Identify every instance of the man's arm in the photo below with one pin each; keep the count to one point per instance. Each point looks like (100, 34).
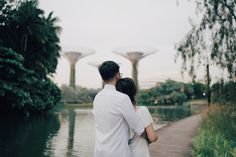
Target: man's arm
(152, 137)
(127, 110)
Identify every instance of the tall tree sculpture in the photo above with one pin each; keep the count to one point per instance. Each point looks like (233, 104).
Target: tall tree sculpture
(73, 57)
(134, 56)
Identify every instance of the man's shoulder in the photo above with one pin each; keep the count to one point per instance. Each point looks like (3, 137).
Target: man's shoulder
(112, 93)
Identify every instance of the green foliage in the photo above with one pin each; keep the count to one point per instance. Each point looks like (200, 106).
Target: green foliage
(213, 38)
(144, 97)
(199, 89)
(168, 93)
(224, 92)
(77, 95)
(29, 49)
(28, 32)
(14, 81)
(20, 90)
(44, 94)
(217, 137)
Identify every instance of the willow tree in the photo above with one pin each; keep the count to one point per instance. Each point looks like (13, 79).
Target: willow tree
(213, 39)
(218, 25)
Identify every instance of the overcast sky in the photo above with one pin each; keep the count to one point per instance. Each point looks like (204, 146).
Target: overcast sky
(105, 25)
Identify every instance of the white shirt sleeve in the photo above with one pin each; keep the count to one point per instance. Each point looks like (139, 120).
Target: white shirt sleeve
(145, 116)
(128, 112)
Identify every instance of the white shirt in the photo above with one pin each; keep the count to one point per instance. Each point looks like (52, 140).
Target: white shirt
(114, 114)
(139, 147)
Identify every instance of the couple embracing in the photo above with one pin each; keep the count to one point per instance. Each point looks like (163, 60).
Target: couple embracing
(122, 128)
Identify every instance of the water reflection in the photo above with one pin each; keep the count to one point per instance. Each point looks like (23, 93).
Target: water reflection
(75, 136)
(27, 138)
(170, 113)
(68, 133)
(71, 133)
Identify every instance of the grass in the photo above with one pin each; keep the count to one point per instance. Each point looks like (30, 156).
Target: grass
(217, 134)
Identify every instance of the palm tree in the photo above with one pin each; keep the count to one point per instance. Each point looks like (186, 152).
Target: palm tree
(27, 31)
(30, 33)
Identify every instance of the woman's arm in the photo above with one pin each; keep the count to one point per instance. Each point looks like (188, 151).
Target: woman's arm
(151, 133)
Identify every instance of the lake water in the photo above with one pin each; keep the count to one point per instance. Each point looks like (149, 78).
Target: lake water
(67, 133)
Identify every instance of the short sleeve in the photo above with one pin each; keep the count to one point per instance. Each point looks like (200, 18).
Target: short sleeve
(145, 116)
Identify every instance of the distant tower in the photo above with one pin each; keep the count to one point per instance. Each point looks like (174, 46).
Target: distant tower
(73, 57)
(134, 56)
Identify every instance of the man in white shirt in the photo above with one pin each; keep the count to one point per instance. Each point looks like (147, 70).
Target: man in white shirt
(113, 114)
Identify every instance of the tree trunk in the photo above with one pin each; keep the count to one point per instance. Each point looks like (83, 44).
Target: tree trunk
(135, 74)
(72, 75)
(208, 86)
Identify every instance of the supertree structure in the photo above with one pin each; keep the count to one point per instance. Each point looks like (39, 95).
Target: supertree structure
(73, 57)
(134, 56)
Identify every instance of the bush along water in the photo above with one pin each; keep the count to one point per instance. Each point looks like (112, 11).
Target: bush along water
(171, 93)
(20, 90)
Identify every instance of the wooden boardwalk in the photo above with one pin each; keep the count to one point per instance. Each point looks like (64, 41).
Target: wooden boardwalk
(175, 140)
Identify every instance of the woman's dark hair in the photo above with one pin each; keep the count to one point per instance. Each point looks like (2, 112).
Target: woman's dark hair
(108, 70)
(127, 86)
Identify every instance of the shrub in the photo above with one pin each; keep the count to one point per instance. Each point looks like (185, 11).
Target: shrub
(216, 137)
(20, 90)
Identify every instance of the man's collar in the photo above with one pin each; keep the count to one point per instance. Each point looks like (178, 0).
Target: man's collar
(109, 86)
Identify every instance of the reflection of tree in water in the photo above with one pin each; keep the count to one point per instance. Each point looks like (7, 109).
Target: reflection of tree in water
(27, 138)
(171, 114)
(72, 116)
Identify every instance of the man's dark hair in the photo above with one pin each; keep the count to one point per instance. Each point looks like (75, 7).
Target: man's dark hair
(127, 86)
(108, 70)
